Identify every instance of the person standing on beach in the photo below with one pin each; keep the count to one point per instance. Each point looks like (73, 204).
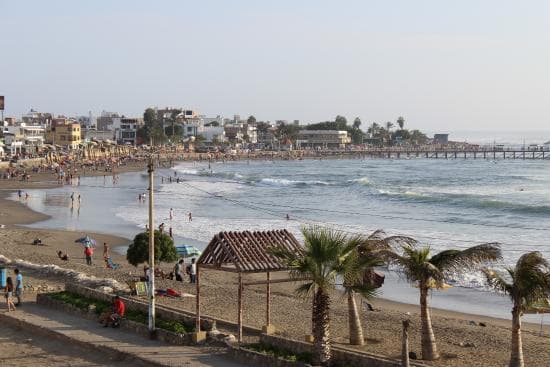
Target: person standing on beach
(171, 213)
(72, 199)
(20, 193)
(178, 271)
(8, 290)
(105, 250)
(190, 217)
(88, 252)
(18, 286)
(193, 271)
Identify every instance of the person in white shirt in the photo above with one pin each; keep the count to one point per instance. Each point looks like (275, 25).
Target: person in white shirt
(193, 271)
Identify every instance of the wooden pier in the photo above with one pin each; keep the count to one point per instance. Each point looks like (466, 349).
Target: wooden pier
(458, 154)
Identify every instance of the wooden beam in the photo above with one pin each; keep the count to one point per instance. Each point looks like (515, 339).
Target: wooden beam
(198, 303)
(240, 310)
(268, 296)
(262, 282)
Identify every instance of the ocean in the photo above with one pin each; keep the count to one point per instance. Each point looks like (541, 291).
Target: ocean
(442, 203)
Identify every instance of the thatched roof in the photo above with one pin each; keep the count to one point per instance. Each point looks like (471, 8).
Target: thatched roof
(246, 252)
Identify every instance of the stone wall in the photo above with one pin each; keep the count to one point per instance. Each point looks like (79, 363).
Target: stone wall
(250, 357)
(341, 356)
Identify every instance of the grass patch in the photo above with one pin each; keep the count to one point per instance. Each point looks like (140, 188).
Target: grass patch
(279, 352)
(83, 303)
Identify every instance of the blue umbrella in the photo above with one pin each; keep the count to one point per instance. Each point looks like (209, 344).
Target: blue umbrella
(188, 251)
(86, 240)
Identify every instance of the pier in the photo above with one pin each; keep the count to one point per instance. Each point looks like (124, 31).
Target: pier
(443, 153)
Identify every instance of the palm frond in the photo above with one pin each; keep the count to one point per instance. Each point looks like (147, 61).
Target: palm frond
(455, 260)
(497, 282)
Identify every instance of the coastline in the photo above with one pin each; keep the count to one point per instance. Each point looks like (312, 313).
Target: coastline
(381, 327)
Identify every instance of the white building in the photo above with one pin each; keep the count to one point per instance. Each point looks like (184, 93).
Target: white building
(125, 129)
(31, 135)
(323, 139)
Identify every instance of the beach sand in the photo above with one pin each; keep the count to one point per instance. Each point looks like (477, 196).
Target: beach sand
(290, 314)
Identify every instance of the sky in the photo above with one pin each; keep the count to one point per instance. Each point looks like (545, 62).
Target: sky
(443, 65)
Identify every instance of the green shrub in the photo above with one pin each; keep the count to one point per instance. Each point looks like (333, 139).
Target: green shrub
(140, 317)
(279, 353)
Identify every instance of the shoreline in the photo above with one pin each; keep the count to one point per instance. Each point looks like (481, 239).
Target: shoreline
(381, 327)
(25, 216)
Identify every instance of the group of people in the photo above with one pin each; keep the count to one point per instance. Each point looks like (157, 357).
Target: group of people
(10, 290)
(190, 270)
(89, 253)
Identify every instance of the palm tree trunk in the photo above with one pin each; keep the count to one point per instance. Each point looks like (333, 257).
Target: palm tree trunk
(516, 358)
(355, 328)
(321, 329)
(429, 348)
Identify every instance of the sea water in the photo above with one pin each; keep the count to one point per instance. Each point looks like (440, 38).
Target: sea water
(454, 203)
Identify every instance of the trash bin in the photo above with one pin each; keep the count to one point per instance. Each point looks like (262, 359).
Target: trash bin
(3, 276)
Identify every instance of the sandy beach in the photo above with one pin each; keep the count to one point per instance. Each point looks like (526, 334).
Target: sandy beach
(291, 315)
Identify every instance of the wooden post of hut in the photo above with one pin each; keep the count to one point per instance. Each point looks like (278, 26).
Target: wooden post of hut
(268, 328)
(240, 310)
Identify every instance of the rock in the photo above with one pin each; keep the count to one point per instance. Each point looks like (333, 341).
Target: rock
(482, 324)
(472, 323)
(467, 344)
(91, 308)
(213, 333)
(230, 339)
(412, 355)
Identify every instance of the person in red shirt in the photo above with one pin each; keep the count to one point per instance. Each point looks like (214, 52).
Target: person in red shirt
(115, 315)
(88, 252)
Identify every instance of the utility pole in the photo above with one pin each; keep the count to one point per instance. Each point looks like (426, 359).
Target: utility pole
(151, 274)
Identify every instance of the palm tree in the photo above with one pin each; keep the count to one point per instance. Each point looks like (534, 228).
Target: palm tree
(527, 284)
(373, 129)
(401, 122)
(322, 260)
(389, 125)
(362, 255)
(427, 272)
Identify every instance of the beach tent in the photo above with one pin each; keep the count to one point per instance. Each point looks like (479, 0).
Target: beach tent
(188, 251)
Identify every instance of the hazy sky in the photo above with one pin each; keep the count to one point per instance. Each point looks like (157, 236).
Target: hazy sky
(444, 65)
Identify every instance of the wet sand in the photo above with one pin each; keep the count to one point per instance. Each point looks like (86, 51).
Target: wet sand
(290, 314)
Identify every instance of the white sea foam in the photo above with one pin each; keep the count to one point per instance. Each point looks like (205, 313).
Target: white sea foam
(287, 182)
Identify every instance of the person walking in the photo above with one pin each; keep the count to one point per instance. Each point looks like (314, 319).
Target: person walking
(8, 290)
(193, 271)
(88, 252)
(18, 286)
(190, 217)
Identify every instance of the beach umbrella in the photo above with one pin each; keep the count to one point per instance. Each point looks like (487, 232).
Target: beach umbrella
(86, 240)
(188, 251)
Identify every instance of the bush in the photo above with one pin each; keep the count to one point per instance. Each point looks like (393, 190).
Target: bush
(83, 303)
(279, 353)
(138, 251)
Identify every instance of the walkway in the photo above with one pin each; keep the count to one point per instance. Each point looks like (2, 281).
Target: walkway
(122, 345)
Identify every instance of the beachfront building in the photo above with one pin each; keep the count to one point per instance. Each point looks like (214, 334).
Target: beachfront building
(323, 139)
(28, 136)
(64, 132)
(125, 129)
(105, 120)
(441, 139)
(37, 118)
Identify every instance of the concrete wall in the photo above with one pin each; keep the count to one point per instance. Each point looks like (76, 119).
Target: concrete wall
(341, 356)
